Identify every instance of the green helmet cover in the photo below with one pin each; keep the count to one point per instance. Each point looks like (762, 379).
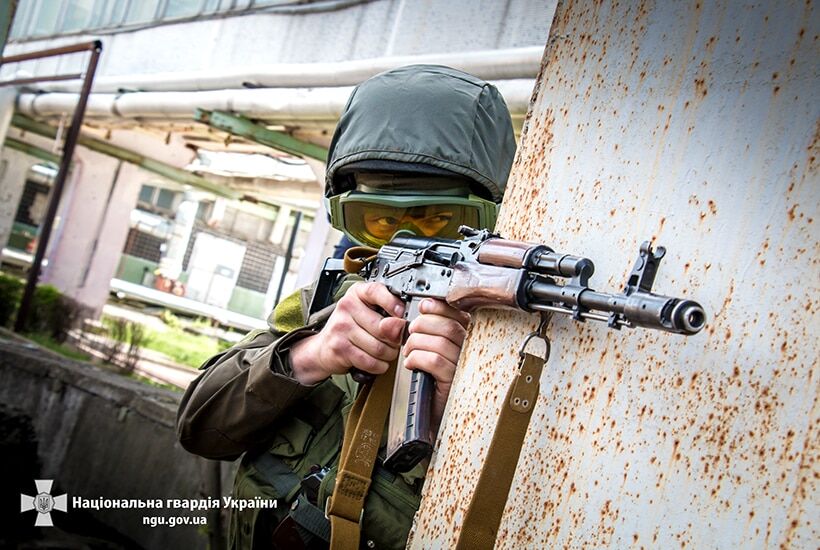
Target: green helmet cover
(424, 120)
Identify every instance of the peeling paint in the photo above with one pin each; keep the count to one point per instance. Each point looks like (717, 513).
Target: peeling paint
(696, 125)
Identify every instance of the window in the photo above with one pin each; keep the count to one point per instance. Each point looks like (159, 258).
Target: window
(147, 194)
(203, 211)
(143, 11)
(182, 8)
(107, 13)
(45, 17)
(257, 267)
(165, 199)
(77, 15)
(157, 199)
(274, 2)
(143, 245)
(37, 18)
(33, 203)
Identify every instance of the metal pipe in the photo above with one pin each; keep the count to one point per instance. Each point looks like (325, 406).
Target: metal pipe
(33, 79)
(62, 174)
(151, 165)
(512, 63)
(288, 255)
(32, 150)
(286, 104)
(51, 52)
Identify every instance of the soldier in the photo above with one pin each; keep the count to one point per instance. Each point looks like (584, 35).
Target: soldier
(422, 148)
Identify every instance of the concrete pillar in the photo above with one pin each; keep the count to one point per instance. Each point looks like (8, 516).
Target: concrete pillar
(14, 166)
(322, 237)
(696, 125)
(170, 265)
(318, 248)
(13, 169)
(7, 96)
(92, 227)
(111, 236)
(281, 225)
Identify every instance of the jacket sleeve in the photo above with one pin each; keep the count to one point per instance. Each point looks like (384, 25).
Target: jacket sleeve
(232, 406)
(241, 392)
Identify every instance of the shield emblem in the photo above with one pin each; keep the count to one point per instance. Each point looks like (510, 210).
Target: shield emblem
(43, 503)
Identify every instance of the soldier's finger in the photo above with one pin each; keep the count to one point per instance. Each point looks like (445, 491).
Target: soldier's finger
(391, 329)
(366, 362)
(376, 295)
(440, 307)
(439, 367)
(438, 345)
(370, 320)
(372, 346)
(434, 324)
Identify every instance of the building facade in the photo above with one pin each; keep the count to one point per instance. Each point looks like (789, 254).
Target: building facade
(195, 85)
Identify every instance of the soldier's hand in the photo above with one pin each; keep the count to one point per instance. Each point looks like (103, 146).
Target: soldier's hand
(434, 344)
(355, 335)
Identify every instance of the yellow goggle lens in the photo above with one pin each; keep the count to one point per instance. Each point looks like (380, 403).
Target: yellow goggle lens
(375, 224)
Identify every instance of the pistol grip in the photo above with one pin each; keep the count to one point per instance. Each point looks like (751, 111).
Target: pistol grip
(365, 377)
(360, 376)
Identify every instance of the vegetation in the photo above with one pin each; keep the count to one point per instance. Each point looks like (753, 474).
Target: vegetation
(65, 350)
(176, 343)
(50, 313)
(11, 290)
(184, 347)
(53, 315)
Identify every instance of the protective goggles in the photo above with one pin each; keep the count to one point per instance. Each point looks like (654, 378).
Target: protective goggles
(371, 219)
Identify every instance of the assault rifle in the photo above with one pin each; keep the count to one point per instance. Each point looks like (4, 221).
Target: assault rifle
(485, 271)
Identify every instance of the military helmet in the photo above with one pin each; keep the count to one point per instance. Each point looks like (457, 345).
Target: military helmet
(415, 137)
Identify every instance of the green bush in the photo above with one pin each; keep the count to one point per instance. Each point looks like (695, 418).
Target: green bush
(50, 313)
(11, 290)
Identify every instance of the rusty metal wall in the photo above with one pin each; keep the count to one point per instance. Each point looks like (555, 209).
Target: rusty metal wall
(695, 124)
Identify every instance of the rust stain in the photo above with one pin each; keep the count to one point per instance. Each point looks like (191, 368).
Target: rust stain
(700, 88)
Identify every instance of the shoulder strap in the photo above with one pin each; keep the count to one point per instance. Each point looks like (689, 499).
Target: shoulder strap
(483, 515)
(363, 433)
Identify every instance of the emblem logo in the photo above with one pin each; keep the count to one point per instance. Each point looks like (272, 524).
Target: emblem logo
(44, 503)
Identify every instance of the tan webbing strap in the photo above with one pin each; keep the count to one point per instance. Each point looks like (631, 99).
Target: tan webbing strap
(356, 256)
(363, 433)
(483, 515)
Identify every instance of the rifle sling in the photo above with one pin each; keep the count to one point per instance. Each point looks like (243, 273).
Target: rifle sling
(363, 434)
(356, 257)
(484, 512)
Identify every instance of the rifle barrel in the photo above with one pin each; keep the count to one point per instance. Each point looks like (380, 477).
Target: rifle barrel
(637, 309)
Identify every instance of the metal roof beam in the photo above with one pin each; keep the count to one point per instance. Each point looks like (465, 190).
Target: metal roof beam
(146, 163)
(31, 150)
(241, 126)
